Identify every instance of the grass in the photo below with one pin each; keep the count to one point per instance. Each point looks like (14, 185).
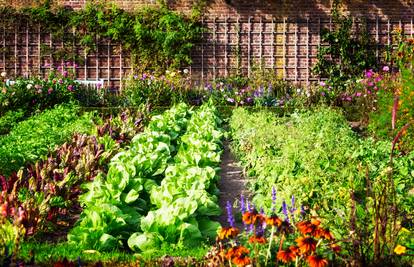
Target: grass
(45, 254)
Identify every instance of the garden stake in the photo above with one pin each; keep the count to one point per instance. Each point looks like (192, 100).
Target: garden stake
(270, 244)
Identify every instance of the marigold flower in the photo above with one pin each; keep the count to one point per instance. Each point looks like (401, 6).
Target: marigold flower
(228, 232)
(400, 250)
(288, 254)
(317, 261)
(260, 239)
(306, 244)
(273, 220)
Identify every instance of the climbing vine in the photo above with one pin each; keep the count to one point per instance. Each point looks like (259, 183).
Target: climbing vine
(156, 38)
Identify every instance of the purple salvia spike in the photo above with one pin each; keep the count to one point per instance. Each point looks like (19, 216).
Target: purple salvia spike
(230, 218)
(285, 210)
(242, 204)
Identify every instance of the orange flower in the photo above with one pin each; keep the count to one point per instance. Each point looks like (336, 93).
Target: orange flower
(252, 217)
(410, 41)
(257, 239)
(325, 233)
(248, 217)
(273, 221)
(306, 244)
(228, 232)
(400, 54)
(242, 260)
(317, 261)
(310, 227)
(288, 254)
(236, 251)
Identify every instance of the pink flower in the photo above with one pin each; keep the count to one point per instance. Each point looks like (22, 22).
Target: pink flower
(358, 94)
(50, 90)
(369, 73)
(322, 83)
(65, 74)
(70, 87)
(386, 68)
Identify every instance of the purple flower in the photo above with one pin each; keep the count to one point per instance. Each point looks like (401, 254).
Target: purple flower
(242, 204)
(285, 210)
(231, 100)
(144, 76)
(273, 199)
(370, 84)
(386, 68)
(65, 74)
(292, 202)
(230, 218)
(60, 81)
(322, 83)
(70, 87)
(323, 93)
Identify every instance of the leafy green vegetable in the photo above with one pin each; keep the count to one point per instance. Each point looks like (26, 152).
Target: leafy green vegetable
(114, 204)
(35, 137)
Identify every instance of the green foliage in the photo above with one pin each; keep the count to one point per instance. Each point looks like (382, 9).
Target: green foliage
(346, 54)
(315, 157)
(35, 137)
(114, 204)
(187, 196)
(9, 240)
(157, 38)
(10, 119)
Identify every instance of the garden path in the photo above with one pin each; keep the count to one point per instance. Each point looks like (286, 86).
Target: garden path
(232, 183)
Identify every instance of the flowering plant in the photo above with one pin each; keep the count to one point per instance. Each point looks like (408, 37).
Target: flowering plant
(38, 93)
(271, 239)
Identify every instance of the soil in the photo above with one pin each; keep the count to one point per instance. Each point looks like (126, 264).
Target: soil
(232, 183)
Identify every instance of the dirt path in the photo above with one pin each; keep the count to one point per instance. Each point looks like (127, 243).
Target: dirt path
(232, 183)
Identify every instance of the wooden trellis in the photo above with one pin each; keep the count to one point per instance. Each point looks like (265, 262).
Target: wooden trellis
(288, 47)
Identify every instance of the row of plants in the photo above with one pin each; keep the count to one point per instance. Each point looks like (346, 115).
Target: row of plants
(187, 196)
(35, 137)
(41, 200)
(348, 182)
(115, 202)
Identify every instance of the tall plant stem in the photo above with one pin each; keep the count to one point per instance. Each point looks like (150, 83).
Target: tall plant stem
(270, 244)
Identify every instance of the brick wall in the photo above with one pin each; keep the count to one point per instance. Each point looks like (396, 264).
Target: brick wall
(279, 35)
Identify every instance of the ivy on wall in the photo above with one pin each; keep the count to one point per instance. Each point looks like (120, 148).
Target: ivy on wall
(156, 38)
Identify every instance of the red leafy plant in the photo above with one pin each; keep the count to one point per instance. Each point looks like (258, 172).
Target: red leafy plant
(46, 193)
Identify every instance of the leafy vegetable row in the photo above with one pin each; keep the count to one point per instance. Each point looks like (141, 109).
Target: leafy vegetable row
(316, 157)
(114, 204)
(187, 195)
(35, 137)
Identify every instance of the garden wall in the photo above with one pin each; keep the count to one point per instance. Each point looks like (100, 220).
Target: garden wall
(242, 36)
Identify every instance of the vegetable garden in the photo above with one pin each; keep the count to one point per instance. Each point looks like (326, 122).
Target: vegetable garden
(91, 177)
